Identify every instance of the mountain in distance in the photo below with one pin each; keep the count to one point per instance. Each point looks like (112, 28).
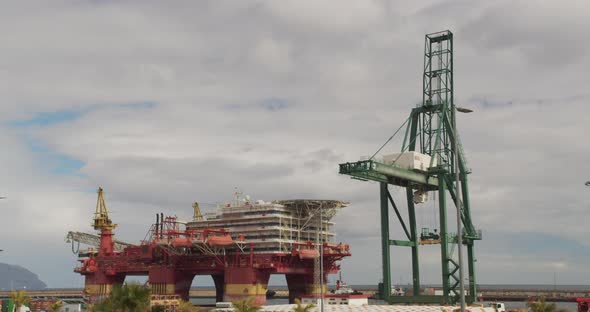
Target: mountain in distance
(17, 277)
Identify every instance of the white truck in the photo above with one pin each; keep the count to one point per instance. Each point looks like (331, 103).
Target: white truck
(492, 307)
(22, 309)
(497, 306)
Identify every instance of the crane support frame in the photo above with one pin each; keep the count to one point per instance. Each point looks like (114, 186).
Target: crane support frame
(430, 131)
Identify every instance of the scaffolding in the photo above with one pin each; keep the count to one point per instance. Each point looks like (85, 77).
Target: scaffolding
(279, 226)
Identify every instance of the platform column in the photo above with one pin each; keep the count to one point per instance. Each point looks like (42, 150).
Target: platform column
(301, 285)
(164, 281)
(242, 283)
(219, 287)
(99, 285)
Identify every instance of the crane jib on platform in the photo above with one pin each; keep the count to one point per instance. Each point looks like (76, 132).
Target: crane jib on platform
(430, 158)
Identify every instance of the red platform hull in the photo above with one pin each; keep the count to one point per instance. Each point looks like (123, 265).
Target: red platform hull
(171, 263)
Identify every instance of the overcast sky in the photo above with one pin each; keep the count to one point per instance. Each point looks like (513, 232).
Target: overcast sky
(166, 103)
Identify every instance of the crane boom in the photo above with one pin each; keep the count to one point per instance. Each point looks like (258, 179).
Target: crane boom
(93, 240)
(198, 216)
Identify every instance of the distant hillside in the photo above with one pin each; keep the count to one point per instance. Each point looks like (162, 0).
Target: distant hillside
(18, 277)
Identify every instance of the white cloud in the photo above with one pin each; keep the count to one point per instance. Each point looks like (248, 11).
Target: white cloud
(273, 56)
(342, 76)
(330, 16)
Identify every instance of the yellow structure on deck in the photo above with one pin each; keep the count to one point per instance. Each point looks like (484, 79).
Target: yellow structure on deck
(101, 216)
(198, 216)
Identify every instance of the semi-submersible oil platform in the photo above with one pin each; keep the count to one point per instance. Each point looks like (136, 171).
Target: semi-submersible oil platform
(239, 246)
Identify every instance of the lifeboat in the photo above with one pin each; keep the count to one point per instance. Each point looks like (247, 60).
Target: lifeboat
(220, 240)
(181, 242)
(308, 254)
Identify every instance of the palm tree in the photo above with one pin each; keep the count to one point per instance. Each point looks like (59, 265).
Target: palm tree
(103, 306)
(302, 308)
(245, 305)
(20, 298)
(185, 306)
(134, 297)
(56, 306)
(127, 297)
(542, 306)
(158, 308)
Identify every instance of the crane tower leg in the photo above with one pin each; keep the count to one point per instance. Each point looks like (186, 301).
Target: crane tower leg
(385, 245)
(444, 241)
(415, 240)
(471, 269)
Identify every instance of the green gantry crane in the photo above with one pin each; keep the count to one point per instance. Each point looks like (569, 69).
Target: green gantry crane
(429, 131)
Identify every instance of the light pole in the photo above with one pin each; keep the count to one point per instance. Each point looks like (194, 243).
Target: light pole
(458, 204)
(322, 260)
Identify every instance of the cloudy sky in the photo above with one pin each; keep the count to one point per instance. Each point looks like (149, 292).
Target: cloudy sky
(166, 103)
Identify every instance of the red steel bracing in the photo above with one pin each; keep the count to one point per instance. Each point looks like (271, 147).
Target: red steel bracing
(583, 304)
(171, 257)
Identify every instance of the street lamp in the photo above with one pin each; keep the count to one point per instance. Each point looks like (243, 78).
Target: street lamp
(322, 260)
(2, 197)
(458, 204)
(463, 110)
